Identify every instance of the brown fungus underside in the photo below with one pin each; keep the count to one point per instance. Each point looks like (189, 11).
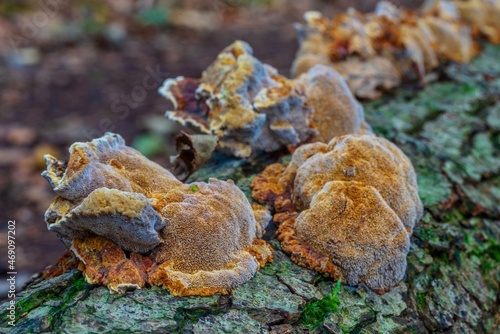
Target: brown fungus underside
(131, 223)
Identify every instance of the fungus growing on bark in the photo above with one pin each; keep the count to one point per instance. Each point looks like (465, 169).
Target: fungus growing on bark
(102, 191)
(104, 263)
(482, 16)
(376, 51)
(346, 209)
(221, 259)
(250, 107)
(373, 161)
(132, 223)
(354, 226)
(246, 103)
(336, 111)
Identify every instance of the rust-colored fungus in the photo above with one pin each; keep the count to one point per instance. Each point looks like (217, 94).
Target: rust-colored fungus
(336, 111)
(221, 259)
(65, 262)
(132, 223)
(376, 51)
(251, 107)
(482, 16)
(104, 263)
(246, 103)
(346, 208)
(373, 161)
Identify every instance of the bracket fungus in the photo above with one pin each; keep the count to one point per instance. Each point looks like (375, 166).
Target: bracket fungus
(246, 103)
(131, 223)
(346, 208)
(250, 107)
(377, 51)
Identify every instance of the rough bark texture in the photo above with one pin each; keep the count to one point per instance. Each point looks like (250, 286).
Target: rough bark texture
(451, 132)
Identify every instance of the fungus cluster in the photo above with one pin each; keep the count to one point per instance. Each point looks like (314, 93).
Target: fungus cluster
(132, 223)
(345, 205)
(376, 51)
(346, 208)
(251, 108)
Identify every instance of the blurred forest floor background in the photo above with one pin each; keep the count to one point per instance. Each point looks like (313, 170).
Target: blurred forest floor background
(71, 70)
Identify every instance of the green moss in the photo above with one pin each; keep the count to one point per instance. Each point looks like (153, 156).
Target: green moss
(437, 236)
(421, 300)
(314, 313)
(76, 291)
(482, 246)
(425, 234)
(194, 188)
(443, 259)
(452, 216)
(183, 316)
(57, 292)
(489, 255)
(318, 278)
(23, 306)
(494, 253)
(488, 264)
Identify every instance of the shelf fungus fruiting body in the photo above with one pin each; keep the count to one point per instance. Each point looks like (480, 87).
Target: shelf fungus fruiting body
(250, 107)
(212, 246)
(346, 208)
(246, 103)
(376, 51)
(131, 223)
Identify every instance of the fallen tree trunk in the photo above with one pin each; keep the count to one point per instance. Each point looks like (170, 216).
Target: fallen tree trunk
(451, 132)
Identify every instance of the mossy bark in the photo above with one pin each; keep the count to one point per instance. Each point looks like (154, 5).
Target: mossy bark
(451, 131)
